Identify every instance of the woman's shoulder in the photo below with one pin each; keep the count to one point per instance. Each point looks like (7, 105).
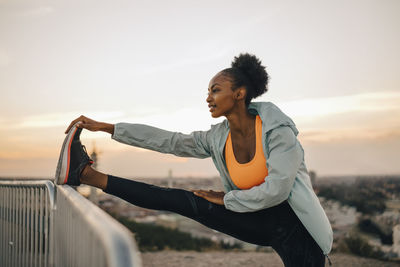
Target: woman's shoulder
(220, 127)
(272, 116)
(264, 107)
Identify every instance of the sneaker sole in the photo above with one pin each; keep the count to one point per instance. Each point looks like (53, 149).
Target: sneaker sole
(64, 159)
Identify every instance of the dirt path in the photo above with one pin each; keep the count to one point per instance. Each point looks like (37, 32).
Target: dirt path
(244, 259)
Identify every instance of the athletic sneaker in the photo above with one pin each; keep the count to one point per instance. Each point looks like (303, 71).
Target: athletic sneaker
(73, 159)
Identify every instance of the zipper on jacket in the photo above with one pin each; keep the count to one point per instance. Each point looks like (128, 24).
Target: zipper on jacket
(329, 260)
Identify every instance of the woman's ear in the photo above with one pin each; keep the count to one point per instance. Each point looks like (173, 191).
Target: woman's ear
(241, 93)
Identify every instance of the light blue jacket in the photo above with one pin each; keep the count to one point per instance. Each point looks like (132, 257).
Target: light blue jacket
(287, 173)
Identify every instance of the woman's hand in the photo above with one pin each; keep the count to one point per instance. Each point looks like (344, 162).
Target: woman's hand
(210, 195)
(92, 125)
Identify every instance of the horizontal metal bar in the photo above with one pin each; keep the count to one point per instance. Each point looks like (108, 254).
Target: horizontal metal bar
(115, 240)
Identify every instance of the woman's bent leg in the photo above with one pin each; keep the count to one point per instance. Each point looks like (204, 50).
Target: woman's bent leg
(297, 248)
(254, 227)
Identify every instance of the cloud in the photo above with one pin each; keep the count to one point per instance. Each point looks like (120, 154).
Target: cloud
(367, 116)
(318, 107)
(183, 63)
(38, 11)
(349, 135)
(55, 119)
(4, 58)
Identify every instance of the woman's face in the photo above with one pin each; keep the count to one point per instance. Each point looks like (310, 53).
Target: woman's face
(221, 99)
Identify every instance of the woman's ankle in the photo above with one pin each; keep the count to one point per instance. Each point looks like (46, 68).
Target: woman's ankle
(85, 174)
(92, 177)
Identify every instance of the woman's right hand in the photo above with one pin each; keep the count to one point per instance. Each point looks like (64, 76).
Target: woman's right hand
(91, 125)
(210, 195)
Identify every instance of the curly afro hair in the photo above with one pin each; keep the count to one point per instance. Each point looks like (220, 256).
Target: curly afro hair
(246, 70)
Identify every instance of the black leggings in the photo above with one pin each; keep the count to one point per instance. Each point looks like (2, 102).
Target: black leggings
(278, 226)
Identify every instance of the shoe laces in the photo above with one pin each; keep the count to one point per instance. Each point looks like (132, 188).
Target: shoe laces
(87, 155)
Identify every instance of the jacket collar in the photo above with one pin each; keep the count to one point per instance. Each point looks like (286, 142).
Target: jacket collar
(272, 117)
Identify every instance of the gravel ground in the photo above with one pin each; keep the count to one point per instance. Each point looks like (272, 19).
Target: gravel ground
(244, 259)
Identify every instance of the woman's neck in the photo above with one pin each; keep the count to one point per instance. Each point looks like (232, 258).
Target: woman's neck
(241, 122)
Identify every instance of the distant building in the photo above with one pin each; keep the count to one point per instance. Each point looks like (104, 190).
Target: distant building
(396, 239)
(393, 204)
(170, 180)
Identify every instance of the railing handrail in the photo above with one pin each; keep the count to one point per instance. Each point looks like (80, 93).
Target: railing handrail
(115, 238)
(122, 250)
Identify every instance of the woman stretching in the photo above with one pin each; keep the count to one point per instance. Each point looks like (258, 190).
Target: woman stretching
(268, 198)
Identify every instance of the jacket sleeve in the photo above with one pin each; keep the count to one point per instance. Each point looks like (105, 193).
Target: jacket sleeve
(285, 157)
(144, 136)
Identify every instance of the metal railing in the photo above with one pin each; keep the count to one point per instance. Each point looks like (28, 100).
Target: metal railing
(46, 225)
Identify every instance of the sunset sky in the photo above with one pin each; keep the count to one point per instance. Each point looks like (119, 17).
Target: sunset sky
(334, 68)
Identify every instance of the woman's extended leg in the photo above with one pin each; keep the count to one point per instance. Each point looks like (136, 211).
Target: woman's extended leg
(251, 227)
(255, 227)
(277, 226)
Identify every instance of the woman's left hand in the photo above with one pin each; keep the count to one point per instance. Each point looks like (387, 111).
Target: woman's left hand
(210, 195)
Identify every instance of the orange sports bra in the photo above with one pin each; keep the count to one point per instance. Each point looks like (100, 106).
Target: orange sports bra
(252, 173)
